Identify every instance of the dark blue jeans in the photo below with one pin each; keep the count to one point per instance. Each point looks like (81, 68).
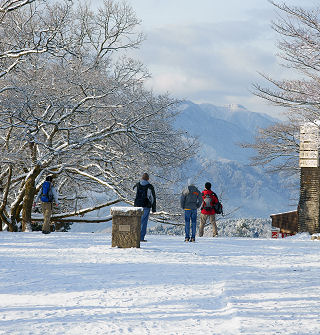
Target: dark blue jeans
(144, 222)
(190, 215)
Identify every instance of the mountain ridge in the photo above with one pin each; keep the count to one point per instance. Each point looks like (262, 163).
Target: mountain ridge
(223, 162)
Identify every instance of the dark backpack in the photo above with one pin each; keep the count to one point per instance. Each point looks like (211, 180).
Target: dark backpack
(46, 194)
(141, 199)
(218, 208)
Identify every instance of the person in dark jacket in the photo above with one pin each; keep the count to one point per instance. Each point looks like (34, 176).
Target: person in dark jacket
(207, 211)
(190, 200)
(146, 198)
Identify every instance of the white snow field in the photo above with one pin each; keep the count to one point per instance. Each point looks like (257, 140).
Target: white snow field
(76, 283)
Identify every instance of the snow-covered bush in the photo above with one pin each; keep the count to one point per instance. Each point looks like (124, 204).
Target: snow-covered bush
(242, 227)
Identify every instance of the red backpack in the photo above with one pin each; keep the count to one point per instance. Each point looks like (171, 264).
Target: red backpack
(207, 203)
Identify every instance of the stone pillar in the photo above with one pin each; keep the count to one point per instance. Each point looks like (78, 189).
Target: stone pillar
(126, 226)
(309, 202)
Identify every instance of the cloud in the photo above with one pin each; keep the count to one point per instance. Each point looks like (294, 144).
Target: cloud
(213, 62)
(179, 82)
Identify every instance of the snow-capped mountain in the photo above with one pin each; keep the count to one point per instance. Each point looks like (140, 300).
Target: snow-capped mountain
(223, 162)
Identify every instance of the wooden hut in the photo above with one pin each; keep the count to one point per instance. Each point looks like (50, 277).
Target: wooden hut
(287, 223)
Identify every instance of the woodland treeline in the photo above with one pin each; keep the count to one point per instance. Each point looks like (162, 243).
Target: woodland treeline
(73, 104)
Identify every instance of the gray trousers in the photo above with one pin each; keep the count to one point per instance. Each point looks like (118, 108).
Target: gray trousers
(203, 220)
(47, 211)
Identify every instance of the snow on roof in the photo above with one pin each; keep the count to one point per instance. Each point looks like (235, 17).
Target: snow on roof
(283, 213)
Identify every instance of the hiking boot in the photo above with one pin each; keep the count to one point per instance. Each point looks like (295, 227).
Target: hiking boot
(187, 239)
(143, 240)
(192, 239)
(45, 232)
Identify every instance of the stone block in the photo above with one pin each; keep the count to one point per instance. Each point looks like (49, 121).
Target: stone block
(126, 226)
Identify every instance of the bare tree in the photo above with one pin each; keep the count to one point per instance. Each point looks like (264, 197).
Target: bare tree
(23, 32)
(277, 147)
(79, 112)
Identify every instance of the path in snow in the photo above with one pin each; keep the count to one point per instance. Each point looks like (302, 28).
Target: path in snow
(72, 283)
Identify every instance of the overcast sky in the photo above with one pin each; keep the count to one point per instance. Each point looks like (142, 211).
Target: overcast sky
(208, 50)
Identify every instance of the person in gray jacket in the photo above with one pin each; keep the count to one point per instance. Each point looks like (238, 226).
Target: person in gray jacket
(190, 201)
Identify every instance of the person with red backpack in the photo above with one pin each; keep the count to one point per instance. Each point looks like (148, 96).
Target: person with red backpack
(209, 199)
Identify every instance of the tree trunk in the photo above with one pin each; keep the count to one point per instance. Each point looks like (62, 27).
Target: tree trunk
(13, 225)
(3, 216)
(30, 191)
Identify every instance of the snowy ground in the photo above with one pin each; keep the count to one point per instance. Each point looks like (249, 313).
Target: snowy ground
(75, 283)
